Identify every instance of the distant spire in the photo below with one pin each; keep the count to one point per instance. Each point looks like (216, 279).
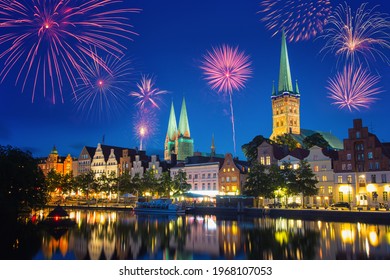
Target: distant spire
(285, 83)
(273, 88)
(212, 146)
(296, 87)
(184, 127)
(172, 125)
(54, 150)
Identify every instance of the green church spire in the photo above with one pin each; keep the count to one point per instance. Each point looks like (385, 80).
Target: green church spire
(184, 127)
(273, 88)
(172, 125)
(212, 146)
(285, 83)
(296, 87)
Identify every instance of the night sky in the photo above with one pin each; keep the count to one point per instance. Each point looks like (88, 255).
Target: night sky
(173, 36)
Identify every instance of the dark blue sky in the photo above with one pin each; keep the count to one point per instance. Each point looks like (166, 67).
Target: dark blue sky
(173, 36)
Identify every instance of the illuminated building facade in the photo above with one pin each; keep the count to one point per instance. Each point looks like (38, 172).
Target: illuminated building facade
(62, 165)
(232, 175)
(362, 170)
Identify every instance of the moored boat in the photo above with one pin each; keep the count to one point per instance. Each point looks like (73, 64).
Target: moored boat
(159, 206)
(58, 217)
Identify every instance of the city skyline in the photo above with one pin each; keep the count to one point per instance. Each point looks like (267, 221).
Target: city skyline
(172, 39)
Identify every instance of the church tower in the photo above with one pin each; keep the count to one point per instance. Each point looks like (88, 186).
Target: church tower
(171, 138)
(185, 144)
(285, 101)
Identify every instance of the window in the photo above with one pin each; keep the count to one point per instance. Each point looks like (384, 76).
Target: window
(208, 176)
(349, 157)
(203, 176)
(324, 178)
(373, 178)
(369, 155)
(323, 167)
(214, 186)
(215, 175)
(268, 160)
(330, 190)
(208, 186)
(349, 166)
(196, 187)
(227, 179)
(343, 166)
(322, 190)
(377, 166)
(349, 179)
(203, 186)
(385, 196)
(223, 179)
(384, 179)
(315, 157)
(234, 179)
(316, 168)
(357, 134)
(341, 196)
(339, 179)
(190, 176)
(262, 160)
(196, 176)
(233, 169)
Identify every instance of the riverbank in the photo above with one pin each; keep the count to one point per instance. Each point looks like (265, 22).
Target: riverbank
(372, 216)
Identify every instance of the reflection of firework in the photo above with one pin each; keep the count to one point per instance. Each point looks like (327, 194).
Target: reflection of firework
(226, 69)
(354, 88)
(49, 41)
(144, 126)
(147, 93)
(349, 34)
(106, 90)
(301, 20)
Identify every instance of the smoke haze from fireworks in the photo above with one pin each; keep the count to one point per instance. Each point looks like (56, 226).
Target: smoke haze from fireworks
(226, 69)
(105, 93)
(147, 94)
(363, 33)
(49, 42)
(301, 20)
(354, 88)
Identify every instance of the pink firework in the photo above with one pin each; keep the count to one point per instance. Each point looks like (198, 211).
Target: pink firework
(148, 94)
(106, 90)
(363, 33)
(144, 126)
(354, 88)
(48, 42)
(226, 69)
(300, 19)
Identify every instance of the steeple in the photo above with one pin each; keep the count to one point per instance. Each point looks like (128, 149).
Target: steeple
(296, 87)
(54, 150)
(172, 125)
(212, 147)
(285, 83)
(184, 127)
(273, 89)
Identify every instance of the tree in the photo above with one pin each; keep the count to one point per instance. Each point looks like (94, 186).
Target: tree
(53, 181)
(107, 182)
(87, 183)
(305, 182)
(180, 184)
(315, 139)
(124, 183)
(67, 183)
(287, 140)
(149, 181)
(136, 184)
(22, 182)
(166, 184)
(250, 149)
(259, 182)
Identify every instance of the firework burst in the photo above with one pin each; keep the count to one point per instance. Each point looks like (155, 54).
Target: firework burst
(49, 41)
(354, 88)
(144, 126)
(105, 92)
(364, 33)
(226, 69)
(300, 19)
(147, 94)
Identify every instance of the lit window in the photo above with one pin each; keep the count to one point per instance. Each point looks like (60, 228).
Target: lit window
(330, 190)
(268, 160)
(349, 179)
(262, 160)
(339, 179)
(316, 168)
(324, 178)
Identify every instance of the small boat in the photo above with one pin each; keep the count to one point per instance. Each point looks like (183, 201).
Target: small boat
(159, 206)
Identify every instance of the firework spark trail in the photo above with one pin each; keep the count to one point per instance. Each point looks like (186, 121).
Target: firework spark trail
(226, 69)
(145, 125)
(54, 39)
(147, 93)
(106, 90)
(363, 33)
(354, 88)
(301, 20)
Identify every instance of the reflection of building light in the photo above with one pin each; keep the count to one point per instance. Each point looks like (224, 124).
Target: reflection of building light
(347, 236)
(281, 237)
(211, 225)
(367, 248)
(234, 228)
(388, 238)
(373, 238)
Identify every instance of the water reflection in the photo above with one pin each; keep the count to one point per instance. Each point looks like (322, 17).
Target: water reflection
(123, 235)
